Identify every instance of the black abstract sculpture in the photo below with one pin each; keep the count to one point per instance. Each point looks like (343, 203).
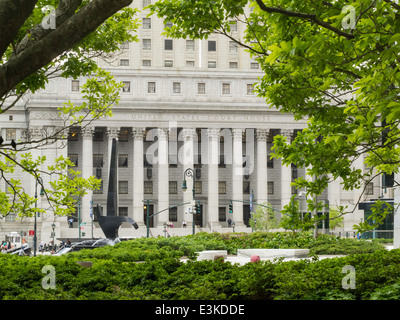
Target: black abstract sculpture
(111, 222)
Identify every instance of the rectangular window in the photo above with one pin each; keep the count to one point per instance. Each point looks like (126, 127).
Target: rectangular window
(254, 65)
(73, 134)
(122, 160)
(124, 62)
(73, 157)
(148, 187)
(270, 162)
(173, 214)
(146, 63)
(226, 88)
(212, 45)
(146, 3)
(127, 86)
(246, 187)
(173, 187)
(222, 214)
(168, 24)
(176, 87)
(168, 44)
(123, 211)
(233, 46)
(212, 64)
(100, 189)
(233, 65)
(151, 87)
(369, 190)
(11, 134)
(198, 187)
(168, 63)
(222, 187)
(75, 85)
(146, 23)
(250, 89)
(190, 64)
(98, 161)
(123, 135)
(233, 25)
(146, 44)
(270, 187)
(189, 45)
(124, 46)
(98, 134)
(201, 88)
(123, 187)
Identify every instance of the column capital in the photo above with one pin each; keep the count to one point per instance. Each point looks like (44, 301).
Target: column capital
(188, 134)
(138, 133)
(87, 132)
(287, 133)
(213, 134)
(237, 134)
(163, 133)
(113, 132)
(262, 134)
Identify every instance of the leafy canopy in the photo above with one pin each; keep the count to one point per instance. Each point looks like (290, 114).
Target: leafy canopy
(50, 39)
(333, 63)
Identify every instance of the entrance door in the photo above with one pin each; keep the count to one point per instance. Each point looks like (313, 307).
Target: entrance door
(151, 211)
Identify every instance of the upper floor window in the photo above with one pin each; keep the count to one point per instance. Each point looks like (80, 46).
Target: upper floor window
(168, 44)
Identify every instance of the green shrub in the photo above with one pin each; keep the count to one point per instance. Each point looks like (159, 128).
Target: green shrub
(151, 269)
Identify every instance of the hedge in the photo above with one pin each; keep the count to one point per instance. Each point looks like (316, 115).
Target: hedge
(152, 269)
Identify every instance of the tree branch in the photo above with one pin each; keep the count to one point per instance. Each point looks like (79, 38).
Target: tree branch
(71, 32)
(13, 14)
(306, 16)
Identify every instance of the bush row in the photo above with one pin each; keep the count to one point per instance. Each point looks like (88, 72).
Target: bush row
(116, 273)
(376, 277)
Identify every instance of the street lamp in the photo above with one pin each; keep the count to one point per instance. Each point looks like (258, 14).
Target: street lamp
(38, 180)
(189, 172)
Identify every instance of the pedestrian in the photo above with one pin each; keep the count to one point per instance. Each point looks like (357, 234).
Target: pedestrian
(183, 224)
(229, 222)
(70, 222)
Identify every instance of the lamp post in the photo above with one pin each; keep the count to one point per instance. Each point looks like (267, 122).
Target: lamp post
(189, 172)
(38, 180)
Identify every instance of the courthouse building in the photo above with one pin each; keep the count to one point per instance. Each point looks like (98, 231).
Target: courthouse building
(185, 104)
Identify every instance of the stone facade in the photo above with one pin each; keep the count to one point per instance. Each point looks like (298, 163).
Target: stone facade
(185, 106)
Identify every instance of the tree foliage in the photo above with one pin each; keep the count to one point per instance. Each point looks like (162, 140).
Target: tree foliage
(45, 39)
(333, 63)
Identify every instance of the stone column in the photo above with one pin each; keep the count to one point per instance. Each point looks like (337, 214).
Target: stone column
(286, 174)
(213, 160)
(163, 176)
(138, 175)
(87, 170)
(187, 159)
(262, 157)
(237, 176)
